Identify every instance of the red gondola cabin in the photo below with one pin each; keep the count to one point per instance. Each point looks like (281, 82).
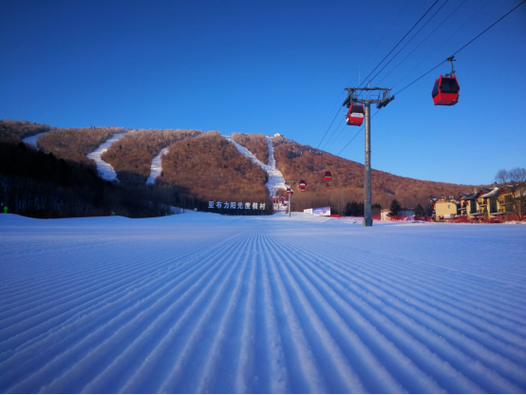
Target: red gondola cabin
(327, 176)
(445, 91)
(355, 114)
(302, 184)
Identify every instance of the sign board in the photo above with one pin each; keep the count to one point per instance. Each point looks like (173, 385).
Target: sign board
(322, 211)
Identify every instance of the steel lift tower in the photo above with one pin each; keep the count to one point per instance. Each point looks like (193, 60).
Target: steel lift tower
(368, 96)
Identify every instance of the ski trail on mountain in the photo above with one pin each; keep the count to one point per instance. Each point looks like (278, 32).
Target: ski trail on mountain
(32, 140)
(106, 170)
(157, 167)
(275, 178)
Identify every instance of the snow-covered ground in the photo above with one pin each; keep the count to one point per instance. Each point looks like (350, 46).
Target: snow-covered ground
(156, 168)
(207, 303)
(105, 170)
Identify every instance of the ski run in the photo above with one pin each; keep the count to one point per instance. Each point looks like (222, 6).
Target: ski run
(106, 171)
(200, 302)
(275, 178)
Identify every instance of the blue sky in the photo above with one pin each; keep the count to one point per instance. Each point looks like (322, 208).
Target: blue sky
(278, 67)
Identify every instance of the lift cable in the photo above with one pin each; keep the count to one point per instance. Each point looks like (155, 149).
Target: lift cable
(424, 40)
(357, 133)
(457, 51)
(504, 16)
(402, 39)
(327, 131)
(408, 41)
(451, 35)
(335, 130)
(365, 61)
(438, 65)
(385, 34)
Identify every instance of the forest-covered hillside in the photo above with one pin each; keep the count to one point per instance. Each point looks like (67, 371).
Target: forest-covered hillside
(58, 178)
(296, 161)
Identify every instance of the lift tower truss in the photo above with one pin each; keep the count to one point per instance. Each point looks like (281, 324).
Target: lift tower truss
(368, 96)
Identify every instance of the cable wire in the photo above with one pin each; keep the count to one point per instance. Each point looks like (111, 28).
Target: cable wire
(424, 40)
(365, 61)
(436, 48)
(435, 67)
(339, 109)
(463, 47)
(335, 130)
(402, 39)
(407, 43)
(357, 133)
(504, 16)
(385, 34)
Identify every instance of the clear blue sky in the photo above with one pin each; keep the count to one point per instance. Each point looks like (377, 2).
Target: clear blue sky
(277, 67)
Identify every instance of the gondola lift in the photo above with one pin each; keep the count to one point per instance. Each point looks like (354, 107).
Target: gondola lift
(355, 114)
(302, 184)
(446, 88)
(327, 175)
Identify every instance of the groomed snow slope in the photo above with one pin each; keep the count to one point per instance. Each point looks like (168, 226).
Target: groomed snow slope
(275, 178)
(106, 170)
(207, 303)
(156, 168)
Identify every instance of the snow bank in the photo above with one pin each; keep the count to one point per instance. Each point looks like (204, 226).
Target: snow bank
(199, 303)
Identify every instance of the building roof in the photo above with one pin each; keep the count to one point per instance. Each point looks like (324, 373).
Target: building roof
(474, 195)
(494, 192)
(468, 196)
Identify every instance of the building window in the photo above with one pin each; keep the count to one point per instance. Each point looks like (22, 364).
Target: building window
(472, 207)
(492, 205)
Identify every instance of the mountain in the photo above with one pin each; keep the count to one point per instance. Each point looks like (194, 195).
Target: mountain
(297, 161)
(198, 167)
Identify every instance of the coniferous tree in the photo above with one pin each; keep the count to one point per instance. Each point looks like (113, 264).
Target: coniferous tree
(394, 208)
(419, 211)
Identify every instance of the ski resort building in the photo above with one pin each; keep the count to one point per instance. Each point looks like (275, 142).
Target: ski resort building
(497, 204)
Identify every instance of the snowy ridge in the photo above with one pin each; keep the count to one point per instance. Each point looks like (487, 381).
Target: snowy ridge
(157, 167)
(106, 170)
(276, 180)
(207, 303)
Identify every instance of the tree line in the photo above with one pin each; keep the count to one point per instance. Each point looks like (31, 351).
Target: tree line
(38, 184)
(12, 131)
